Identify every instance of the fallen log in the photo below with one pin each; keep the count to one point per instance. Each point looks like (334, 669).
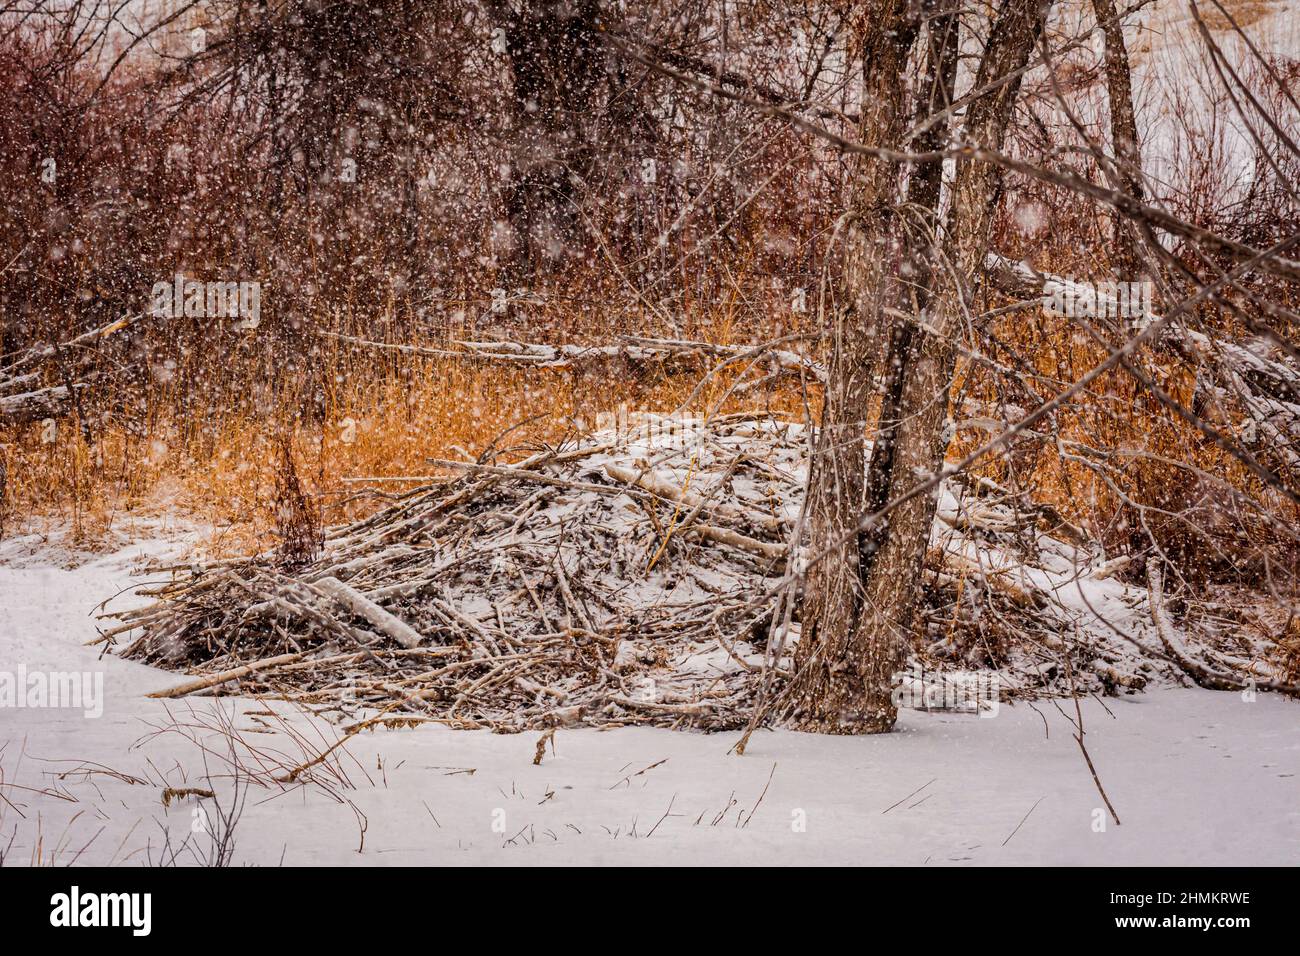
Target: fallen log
(40, 353)
(390, 625)
(632, 350)
(1267, 389)
(662, 487)
(763, 549)
(225, 677)
(27, 407)
(1177, 650)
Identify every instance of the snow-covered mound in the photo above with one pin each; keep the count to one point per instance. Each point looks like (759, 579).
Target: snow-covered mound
(629, 577)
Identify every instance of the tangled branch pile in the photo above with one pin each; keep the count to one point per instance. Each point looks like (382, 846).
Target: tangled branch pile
(629, 577)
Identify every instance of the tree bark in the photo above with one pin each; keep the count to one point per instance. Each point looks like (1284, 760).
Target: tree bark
(1123, 132)
(923, 194)
(843, 677)
(862, 595)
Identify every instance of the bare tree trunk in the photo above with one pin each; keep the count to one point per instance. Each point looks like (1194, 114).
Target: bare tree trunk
(893, 587)
(861, 598)
(842, 684)
(1123, 131)
(556, 61)
(923, 194)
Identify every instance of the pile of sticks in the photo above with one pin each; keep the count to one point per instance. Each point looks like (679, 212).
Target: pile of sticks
(609, 582)
(629, 578)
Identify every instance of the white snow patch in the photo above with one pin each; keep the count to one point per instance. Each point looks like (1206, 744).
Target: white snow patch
(1197, 777)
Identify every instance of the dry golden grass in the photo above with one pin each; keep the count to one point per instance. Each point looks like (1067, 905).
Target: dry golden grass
(220, 471)
(382, 415)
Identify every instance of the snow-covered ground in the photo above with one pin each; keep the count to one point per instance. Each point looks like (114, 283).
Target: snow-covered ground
(1197, 777)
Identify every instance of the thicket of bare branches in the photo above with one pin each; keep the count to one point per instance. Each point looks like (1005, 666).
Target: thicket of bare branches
(895, 187)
